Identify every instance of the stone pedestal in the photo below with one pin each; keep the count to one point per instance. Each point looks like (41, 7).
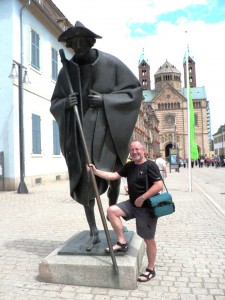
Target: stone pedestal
(71, 264)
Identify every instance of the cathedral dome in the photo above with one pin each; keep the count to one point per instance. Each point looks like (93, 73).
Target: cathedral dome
(167, 67)
(167, 74)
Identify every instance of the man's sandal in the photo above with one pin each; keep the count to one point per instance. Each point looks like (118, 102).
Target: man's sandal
(123, 248)
(151, 274)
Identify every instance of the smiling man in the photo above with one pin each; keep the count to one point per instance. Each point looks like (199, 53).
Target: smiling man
(139, 173)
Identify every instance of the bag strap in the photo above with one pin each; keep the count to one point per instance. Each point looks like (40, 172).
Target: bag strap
(163, 182)
(147, 179)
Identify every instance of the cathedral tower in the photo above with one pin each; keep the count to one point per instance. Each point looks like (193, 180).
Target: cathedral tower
(192, 72)
(144, 72)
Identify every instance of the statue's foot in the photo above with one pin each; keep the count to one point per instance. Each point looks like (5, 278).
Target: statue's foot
(94, 239)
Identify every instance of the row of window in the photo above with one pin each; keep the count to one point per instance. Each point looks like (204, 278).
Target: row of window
(169, 105)
(36, 136)
(176, 105)
(35, 54)
(167, 78)
(220, 139)
(144, 72)
(197, 104)
(144, 82)
(219, 151)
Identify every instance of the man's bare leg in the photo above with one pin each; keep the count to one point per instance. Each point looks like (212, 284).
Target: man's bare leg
(151, 255)
(113, 194)
(114, 213)
(90, 215)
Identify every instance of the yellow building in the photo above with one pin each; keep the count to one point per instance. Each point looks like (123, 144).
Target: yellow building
(169, 102)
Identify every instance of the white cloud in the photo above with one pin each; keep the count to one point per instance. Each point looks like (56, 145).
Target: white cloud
(110, 19)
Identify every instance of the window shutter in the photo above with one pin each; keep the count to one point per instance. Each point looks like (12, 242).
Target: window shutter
(36, 134)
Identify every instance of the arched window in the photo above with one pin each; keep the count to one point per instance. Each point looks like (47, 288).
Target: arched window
(196, 120)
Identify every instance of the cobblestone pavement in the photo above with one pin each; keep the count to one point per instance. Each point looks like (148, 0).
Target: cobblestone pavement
(190, 262)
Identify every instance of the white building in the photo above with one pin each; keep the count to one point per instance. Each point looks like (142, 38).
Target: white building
(219, 141)
(29, 31)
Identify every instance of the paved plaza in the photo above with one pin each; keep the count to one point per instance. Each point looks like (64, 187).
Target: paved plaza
(190, 262)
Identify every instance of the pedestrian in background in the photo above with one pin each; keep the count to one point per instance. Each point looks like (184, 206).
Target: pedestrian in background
(161, 163)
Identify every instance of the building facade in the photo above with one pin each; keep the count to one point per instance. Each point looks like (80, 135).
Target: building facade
(219, 142)
(30, 31)
(146, 130)
(169, 102)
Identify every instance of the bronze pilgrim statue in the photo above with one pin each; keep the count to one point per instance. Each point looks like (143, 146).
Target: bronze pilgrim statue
(108, 98)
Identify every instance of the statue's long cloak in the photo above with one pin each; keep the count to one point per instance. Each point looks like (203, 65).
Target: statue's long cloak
(107, 129)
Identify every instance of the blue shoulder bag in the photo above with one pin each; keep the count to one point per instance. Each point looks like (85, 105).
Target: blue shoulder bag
(161, 204)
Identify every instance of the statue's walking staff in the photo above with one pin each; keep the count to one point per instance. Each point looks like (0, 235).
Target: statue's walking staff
(88, 161)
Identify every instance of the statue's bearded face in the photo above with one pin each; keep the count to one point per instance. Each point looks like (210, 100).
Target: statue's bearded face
(80, 45)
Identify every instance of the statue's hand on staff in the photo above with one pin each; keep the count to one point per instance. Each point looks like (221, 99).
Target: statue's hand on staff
(95, 99)
(71, 100)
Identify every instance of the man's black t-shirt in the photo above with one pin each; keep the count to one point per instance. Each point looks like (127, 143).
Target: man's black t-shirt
(136, 177)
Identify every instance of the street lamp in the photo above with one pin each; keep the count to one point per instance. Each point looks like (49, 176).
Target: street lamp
(22, 188)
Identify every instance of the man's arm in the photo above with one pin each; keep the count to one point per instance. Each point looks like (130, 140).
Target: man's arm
(165, 171)
(104, 174)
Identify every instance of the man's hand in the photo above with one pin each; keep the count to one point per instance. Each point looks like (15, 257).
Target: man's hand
(90, 166)
(71, 100)
(95, 99)
(139, 201)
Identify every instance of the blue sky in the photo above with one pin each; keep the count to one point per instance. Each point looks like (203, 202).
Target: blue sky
(210, 13)
(163, 28)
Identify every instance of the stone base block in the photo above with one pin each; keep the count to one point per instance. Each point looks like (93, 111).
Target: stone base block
(94, 270)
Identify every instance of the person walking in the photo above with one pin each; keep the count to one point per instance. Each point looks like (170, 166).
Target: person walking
(108, 98)
(138, 172)
(161, 163)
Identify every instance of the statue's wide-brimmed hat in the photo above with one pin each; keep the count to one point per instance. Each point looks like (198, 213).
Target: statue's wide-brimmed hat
(78, 30)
